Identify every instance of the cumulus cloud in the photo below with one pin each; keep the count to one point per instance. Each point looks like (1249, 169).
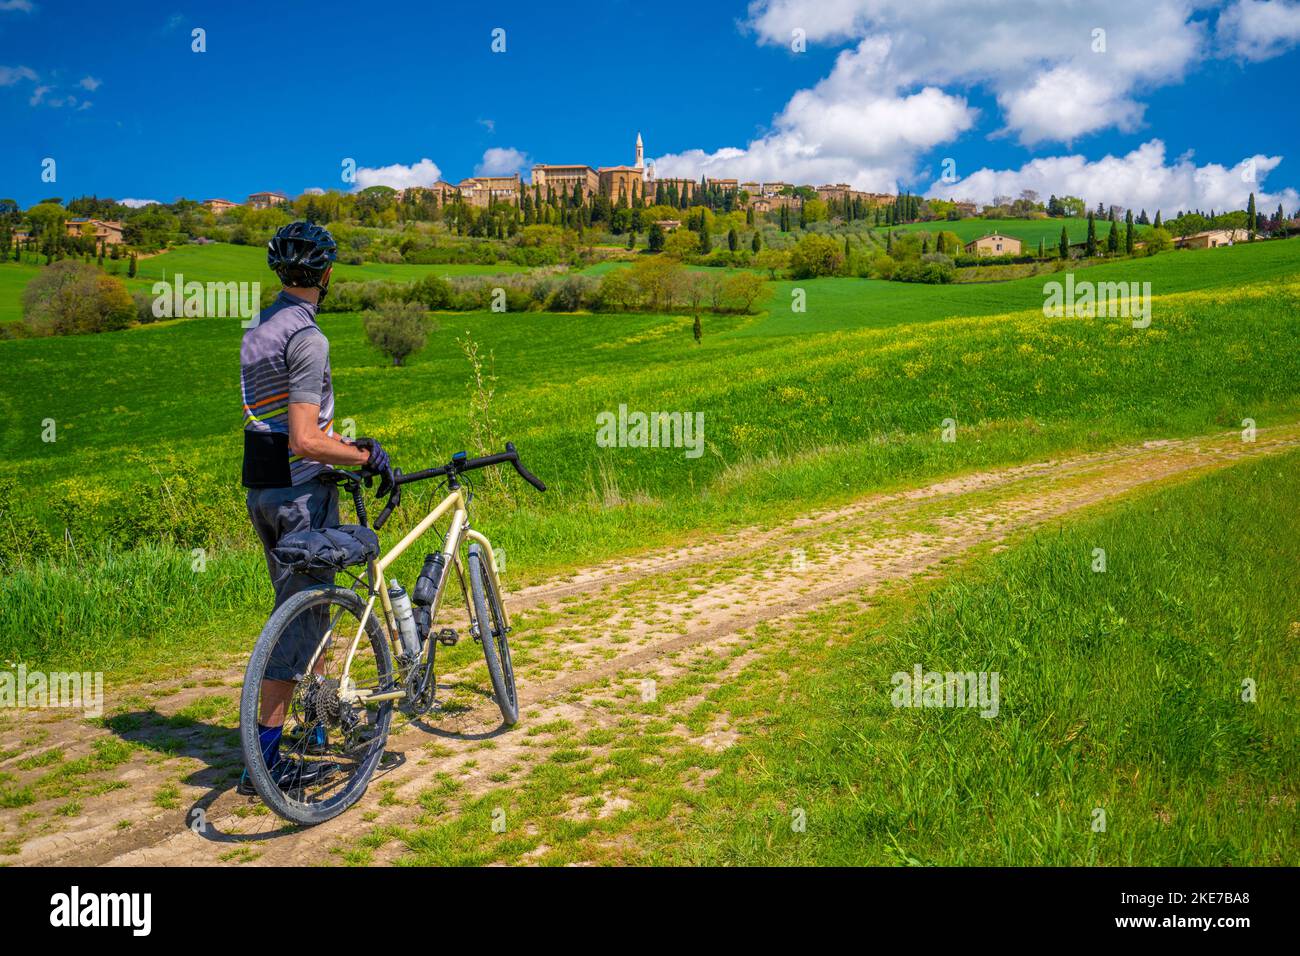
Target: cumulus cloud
(1058, 70)
(1259, 29)
(501, 161)
(857, 125)
(90, 83)
(137, 203)
(423, 173)
(1141, 179)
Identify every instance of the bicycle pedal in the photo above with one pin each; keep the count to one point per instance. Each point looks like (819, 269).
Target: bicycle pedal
(448, 636)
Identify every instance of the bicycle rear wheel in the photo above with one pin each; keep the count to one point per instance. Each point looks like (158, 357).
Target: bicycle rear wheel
(489, 619)
(329, 747)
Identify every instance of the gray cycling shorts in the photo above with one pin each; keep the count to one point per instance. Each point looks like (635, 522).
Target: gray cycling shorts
(276, 512)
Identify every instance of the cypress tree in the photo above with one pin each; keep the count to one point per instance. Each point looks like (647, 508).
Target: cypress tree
(1091, 249)
(733, 240)
(1112, 240)
(1064, 246)
(1251, 217)
(130, 269)
(757, 242)
(1158, 223)
(1128, 233)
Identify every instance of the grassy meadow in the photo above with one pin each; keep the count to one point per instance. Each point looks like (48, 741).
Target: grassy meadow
(148, 426)
(1120, 692)
(1028, 231)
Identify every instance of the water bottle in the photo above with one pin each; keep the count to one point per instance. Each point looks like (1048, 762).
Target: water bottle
(405, 617)
(426, 585)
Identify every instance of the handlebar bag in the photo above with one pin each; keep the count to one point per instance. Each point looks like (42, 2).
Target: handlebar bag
(326, 549)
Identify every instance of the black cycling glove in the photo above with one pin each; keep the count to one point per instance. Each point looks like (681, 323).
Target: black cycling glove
(377, 465)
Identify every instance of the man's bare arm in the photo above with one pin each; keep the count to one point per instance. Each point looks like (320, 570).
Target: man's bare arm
(306, 439)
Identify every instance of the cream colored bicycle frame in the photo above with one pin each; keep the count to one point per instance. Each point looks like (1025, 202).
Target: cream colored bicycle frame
(459, 532)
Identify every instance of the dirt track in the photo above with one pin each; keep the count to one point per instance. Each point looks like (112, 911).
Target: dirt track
(585, 641)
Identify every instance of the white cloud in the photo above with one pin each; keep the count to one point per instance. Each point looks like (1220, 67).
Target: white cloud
(1066, 103)
(1259, 29)
(857, 125)
(38, 95)
(313, 191)
(501, 161)
(1040, 58)
(1139, 180)
(90, 83)
(489, 124)
(423, 173)
(26, 6)
(137, 203)
(9, 75)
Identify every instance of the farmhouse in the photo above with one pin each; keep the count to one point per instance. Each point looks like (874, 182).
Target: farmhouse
(101, 230)
(266, 200)
(995, 244)
(218, 206)
(1210, 239)
(668, 225)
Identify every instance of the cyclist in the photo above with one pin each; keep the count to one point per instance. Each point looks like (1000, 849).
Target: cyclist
(289, 437)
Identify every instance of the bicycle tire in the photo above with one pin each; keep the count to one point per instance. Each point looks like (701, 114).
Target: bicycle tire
(496, 648)
(278, 800)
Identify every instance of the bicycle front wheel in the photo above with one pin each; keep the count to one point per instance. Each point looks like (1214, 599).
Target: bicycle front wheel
(328, 745)
(489, 619)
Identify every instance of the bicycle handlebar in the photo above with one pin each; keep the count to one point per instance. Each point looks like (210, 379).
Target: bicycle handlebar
(455, 467)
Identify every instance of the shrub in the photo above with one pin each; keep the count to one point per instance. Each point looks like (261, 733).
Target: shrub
(71, 297)
(816, 255)
(398, 329)
(570, 295)
(433, 292)
(742, 290)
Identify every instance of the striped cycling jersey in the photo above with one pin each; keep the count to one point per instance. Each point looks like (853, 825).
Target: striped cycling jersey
(275, 368)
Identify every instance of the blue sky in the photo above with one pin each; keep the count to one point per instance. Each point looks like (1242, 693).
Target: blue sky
(1016, 95)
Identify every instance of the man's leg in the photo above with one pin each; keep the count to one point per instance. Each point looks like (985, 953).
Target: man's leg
(276, 513)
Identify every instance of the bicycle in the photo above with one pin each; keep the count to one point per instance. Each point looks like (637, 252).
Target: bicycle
(337, 710)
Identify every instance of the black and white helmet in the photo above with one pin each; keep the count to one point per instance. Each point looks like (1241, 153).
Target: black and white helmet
(300, 253)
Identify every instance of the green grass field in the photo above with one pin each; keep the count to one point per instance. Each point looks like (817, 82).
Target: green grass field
(1118, 688)
(817, 417)
(1119, 692)
(222, 262)
(14, 277)
(846, 304)
(1028, 231)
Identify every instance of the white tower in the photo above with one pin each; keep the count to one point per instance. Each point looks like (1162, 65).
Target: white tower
(640, 153)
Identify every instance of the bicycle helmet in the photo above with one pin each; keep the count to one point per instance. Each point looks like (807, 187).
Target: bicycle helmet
(301, 254)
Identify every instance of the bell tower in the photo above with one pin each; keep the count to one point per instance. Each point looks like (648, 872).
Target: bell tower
(640, 153)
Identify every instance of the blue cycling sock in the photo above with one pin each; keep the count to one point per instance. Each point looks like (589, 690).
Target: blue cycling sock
(318, 736)
(269, 740)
